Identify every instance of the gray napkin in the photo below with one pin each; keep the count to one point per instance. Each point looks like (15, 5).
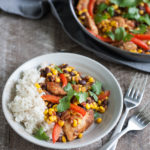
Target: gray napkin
(35, 9)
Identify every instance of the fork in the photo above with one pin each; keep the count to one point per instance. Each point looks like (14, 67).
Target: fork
(132, 99)
(136, 122)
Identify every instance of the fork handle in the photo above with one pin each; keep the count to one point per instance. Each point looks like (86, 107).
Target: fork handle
(119, 127)
(114, 139)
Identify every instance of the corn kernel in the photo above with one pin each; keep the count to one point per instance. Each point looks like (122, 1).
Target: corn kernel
(46, 103)
(82, 11)
(37, 85)
(52, 69)
(80, 89)
(72, 67)
(73, 78)
(141, 4)
(87, 106)
(82, 17)
(50, 111)
(99, 102)
(66, 75)
(105, 36)
(45, 118)
(57, 79)
(48, 121)
(55, 72)
(75, 72)
(148, 42)
(63, 139)
(118, 11)
(99, 120)
(140, 50)
(61, 123)
(68, 69)
(95, 105)
(115, 7)
(133, 51)
(101, 109)
(91, 79)
(91, 106)
(141, 12)
(52, 118)
(40, 90)
(46, 112)
(49, 74)
(80, 135)
(83, 89)
(75, 123)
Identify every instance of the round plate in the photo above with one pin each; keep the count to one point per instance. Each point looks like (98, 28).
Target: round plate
(126, 54)
(86, 66)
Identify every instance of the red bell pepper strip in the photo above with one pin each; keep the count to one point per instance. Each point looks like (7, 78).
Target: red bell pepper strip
(101, 38)
(140, 43)
(56, 132)
(51, 98)
(91, 7)
(147, 8)
(104, 95)
(78, 109)
(142, 36)
(63, 79)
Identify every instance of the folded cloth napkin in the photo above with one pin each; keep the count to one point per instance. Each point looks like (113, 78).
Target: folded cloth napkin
(35, 9)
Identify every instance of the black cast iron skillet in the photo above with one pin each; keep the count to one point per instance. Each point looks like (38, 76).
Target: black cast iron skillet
(123, 53)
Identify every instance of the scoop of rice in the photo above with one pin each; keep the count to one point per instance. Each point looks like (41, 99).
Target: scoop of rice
(28, 106)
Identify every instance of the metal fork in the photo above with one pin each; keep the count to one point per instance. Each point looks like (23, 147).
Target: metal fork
(136, 122)
(132, 99)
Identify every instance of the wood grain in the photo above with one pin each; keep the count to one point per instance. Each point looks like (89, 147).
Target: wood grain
(21, 40)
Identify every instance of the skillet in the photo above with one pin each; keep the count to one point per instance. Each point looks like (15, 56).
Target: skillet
(126, 54)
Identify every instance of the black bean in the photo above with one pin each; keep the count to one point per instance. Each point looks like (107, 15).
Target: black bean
(65, 71)
(47, 70)
(43, 73)
(72, 74)
(59, 139)
(44, 87)
(64, 66)
(51, 79)
(105, 102)
(83, 82)
(59, 114)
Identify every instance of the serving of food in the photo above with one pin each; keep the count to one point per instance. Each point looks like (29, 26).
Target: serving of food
(47, 103)
(58, 102)
(124, 24)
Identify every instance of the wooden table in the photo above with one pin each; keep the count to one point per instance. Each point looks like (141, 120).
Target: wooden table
(22, 39)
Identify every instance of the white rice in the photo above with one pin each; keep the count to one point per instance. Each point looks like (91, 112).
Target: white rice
(28, 106)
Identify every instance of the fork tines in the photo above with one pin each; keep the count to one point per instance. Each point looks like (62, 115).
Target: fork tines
(137, 86)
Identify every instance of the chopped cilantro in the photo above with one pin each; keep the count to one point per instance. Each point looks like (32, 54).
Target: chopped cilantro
(81, 97)
(96, 115)
(40, 134)
(101, 7)
(99, 17)
(93, 95)
(58, 69)
(96, 87)
(111, 11)
(142, 29)
(68, 87)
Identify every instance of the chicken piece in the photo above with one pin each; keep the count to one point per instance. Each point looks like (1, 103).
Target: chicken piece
(73, 132)
(82, 4)
(88, 21)
(130, 24)
(100, 1)
(55, 88)
(76, 87)
(129, 46)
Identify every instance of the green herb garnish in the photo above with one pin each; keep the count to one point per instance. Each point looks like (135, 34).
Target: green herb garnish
(73, 82)
(68, 87)
(58, 69)
(111, 11)
(81, 97)
(99, 17)
(93, 95)
(142, 29)
(64, 103)
(126, 3)
(145, 19)
(96, 115)
(40, 134)
(96, 87)
(101, 7)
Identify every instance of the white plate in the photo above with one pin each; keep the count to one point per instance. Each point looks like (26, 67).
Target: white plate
(86, 66)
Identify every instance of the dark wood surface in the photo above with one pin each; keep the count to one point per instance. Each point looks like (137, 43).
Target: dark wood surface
(22, 39)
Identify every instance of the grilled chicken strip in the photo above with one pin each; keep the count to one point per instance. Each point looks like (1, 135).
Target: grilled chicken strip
(72, 132)
(55, 88)
(88, 21)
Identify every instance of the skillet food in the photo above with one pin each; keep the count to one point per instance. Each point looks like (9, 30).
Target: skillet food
(121, 23)
(58, 103)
